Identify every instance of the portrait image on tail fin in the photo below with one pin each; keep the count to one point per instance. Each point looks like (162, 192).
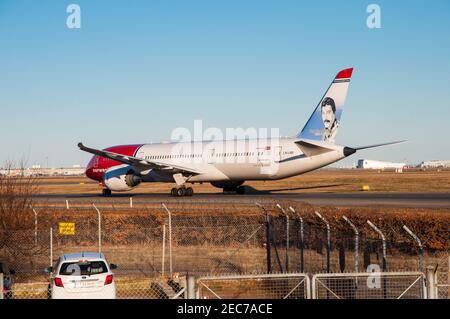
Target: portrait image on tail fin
(325, 120)
(329, 118)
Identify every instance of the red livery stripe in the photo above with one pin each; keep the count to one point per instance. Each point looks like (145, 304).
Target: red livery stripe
(98, 165)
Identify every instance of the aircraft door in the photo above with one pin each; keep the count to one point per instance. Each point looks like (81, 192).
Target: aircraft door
(277, 154)
(210, 155)
(264, 155)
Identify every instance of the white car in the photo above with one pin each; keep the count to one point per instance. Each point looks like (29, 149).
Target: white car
(82, 276)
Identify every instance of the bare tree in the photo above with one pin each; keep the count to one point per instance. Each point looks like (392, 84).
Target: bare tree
(16, 215)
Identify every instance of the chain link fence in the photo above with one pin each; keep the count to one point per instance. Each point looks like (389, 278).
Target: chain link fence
(443, 276)
(307, 247)
(268, 286)
(127, 287)
(387, 285)
(155, 245)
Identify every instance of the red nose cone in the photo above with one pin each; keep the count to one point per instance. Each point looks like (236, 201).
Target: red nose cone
(98, 165)
(90, 170)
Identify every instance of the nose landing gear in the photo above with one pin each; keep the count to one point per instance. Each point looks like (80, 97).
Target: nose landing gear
(182, 191)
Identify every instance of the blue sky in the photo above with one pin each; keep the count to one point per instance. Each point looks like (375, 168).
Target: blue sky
(138, 69)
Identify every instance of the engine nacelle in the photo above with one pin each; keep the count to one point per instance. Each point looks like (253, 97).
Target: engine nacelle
(121, 178)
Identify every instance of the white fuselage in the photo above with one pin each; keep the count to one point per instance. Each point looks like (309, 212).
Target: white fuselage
(234, 160)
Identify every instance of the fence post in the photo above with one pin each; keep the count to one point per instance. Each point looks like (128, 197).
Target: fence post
(35, 226)
(1, 285)
(163, 249)
(419, 243)
(328, 239)
(99, 228)
(190, 286)
(170, 237)
(302, 243)
(432, 289)
(355, 230)
(287, 237)
(383, 239)
(51, 246)
(270, 237)
(131, 202)
(67, 204)
(267, 222)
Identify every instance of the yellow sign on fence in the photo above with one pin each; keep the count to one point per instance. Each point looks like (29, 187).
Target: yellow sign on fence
(67, 228)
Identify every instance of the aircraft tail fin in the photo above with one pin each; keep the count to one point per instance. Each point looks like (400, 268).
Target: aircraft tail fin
(324, 122)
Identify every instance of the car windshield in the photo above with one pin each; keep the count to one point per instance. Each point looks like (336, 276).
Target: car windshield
(81, 268)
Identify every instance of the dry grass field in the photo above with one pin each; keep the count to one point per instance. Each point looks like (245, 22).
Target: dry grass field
(432, 225)
(326, 180)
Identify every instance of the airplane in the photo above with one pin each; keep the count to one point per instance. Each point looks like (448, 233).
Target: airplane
(227, 164)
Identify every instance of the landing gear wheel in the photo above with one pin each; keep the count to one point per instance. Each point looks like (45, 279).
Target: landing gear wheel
(181, 191)
(189, 191)
(106, 192)
(240, 190)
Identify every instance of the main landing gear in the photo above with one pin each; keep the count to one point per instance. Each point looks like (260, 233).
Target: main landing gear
(106, 192)
(182, 191)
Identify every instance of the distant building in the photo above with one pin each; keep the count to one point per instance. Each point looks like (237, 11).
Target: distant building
(372, 164)
(38, 171)
(435, 164)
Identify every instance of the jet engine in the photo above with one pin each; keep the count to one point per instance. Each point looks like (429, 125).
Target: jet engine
(121, 178)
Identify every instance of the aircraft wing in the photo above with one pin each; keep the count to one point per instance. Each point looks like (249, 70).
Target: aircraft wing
(138, 162)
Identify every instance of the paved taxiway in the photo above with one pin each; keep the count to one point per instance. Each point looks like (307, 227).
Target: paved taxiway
(366, 199)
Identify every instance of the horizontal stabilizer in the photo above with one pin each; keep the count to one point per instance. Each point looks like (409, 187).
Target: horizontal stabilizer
(313, 148)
